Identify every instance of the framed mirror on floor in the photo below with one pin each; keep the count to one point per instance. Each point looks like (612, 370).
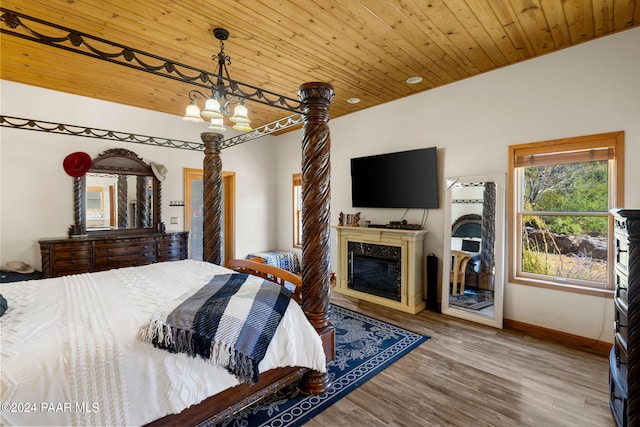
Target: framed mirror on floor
(473, 260)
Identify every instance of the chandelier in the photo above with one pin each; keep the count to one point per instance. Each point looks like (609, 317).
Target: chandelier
(218, 104)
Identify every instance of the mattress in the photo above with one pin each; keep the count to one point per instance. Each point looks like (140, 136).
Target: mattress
(70, 355)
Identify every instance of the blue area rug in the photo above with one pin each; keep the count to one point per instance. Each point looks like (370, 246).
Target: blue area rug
(364, 347)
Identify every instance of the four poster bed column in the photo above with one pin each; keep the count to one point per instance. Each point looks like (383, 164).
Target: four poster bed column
(212, 189)
(316, 144)
(316, 198)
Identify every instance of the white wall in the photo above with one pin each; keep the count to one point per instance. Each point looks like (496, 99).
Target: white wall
(36, 195)
(587, 89)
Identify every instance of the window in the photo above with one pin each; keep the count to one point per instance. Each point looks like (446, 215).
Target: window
(560, 193)
(297, 209)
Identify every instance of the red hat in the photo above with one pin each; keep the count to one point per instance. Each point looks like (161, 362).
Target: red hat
(77, 164)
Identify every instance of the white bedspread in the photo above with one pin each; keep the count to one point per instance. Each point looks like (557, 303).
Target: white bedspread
(70, 354)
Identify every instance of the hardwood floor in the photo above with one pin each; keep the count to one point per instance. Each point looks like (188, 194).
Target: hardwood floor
(472, 375)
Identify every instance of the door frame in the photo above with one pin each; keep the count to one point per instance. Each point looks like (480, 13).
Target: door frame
(229, 198)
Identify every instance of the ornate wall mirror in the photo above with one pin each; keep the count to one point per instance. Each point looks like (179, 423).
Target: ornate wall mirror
(119, 193)
(473, 264)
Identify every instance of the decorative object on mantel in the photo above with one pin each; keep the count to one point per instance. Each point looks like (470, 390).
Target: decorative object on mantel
(356, 220)
(160, 171)
(217, 104)
(351, 220)
(77, 164)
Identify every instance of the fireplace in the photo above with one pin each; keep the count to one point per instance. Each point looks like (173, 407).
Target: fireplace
(375, 269)
(382, 266)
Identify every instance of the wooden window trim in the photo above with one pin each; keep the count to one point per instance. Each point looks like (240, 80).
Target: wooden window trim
(614, 144)
(296, 180)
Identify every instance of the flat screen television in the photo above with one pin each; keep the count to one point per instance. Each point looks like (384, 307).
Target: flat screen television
(405, 179)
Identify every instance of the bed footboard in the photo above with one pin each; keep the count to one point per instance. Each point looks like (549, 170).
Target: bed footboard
(269, 272)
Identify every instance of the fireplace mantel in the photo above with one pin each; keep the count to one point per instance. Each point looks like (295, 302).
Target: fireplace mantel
(411, 244)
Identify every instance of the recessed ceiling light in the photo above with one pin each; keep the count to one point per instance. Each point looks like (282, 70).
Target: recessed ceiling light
(353, 100)
(414, 80)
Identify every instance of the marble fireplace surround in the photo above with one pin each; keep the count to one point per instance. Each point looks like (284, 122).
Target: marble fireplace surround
(411, 244)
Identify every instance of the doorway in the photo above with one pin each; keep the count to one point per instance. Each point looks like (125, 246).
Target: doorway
(193, 209)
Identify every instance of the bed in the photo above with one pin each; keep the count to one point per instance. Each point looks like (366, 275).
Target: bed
(105, 392)
(71, 355)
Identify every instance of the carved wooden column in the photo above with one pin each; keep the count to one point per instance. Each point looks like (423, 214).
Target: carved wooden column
(142, 203)
(123, 207)
(488, 233)
(212, 183)
(316, 197)
(79, 213)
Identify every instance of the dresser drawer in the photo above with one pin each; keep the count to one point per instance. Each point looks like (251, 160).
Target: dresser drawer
(73, 258)
(621, 249)
(76, 254)
(125, 241)
(135, 256)
(621, 326)
(126, 248)
(621, 358)
(172, 247)
(168, 248)
(622, 290)
(73, 250)
(67, 263)
(168, 245)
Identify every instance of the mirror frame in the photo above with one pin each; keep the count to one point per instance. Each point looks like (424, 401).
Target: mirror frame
(498, 292)
(115, 161)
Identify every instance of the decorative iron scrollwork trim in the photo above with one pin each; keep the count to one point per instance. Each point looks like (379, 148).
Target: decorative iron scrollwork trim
(79, 42)
(65, 129)
(75, 130)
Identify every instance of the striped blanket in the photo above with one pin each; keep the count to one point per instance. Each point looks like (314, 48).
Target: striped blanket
(229, 322)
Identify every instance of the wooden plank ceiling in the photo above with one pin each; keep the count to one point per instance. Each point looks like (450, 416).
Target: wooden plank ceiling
(365, 48)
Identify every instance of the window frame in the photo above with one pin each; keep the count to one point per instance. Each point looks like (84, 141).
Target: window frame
(610, 145)
(296, 199)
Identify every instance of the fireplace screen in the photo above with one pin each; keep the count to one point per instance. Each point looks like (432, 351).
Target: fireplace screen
(375, 269)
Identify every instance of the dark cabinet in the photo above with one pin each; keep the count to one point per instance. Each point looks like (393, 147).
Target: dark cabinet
(624, 359)
(61, 257)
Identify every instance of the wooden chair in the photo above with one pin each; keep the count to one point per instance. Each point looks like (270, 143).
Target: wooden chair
(457, 273)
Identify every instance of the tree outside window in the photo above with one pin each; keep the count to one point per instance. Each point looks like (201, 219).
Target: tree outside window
(560, 196)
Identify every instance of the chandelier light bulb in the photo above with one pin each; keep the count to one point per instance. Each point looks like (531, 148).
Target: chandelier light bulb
(242, 127)
(240, 114)
(211, 109)
(192, 113)
(217, 126)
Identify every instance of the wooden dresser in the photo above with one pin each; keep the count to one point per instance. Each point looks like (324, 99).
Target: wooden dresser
(624, 360)
(75, 255)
